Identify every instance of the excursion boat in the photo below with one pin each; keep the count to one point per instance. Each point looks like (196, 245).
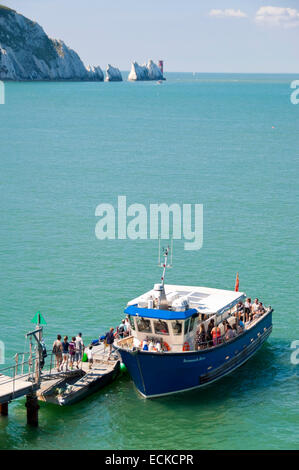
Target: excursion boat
(161, 353)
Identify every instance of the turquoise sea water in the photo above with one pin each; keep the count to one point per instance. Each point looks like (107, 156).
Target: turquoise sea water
(229, 142)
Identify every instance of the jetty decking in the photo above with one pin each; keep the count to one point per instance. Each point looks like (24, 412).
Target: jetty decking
(62, 387)
(16, 387)
(68, 387)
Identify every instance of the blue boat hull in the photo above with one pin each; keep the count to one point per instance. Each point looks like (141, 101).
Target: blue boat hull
(157, 374)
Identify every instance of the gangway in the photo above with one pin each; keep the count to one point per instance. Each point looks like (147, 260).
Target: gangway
(14, 385)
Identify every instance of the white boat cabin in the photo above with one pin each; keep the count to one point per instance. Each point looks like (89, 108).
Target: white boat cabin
(168, 316)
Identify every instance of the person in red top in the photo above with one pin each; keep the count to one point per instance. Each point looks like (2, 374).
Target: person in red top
(216, 335)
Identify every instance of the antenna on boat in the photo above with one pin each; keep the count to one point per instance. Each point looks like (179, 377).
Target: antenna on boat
(165, 253)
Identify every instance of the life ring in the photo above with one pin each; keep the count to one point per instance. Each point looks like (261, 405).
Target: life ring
(186, 346)
(166, 345)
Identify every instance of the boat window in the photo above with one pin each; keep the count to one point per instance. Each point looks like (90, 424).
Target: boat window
(131, 319)
(143, 325)
(161, 327)
(192, 321)
(177, 327)
(186, 326)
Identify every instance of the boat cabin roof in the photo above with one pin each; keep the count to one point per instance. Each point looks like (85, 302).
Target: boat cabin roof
(159, 314)
(205, 300)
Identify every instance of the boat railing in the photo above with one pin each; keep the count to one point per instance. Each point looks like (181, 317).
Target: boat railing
(214, 342)
(204, 345)
(126, 342)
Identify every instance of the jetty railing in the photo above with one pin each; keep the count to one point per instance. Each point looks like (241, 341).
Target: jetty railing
(9, 374)
(25, 368)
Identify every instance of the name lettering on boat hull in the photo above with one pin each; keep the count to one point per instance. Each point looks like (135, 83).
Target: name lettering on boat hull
(196, 359)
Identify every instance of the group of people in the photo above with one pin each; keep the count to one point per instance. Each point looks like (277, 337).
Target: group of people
(251, 311)
(68, 353)
(150, 344)
(213, 335)
(245, 313)
(124, 329)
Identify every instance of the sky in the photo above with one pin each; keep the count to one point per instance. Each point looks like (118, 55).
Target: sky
(229, 36)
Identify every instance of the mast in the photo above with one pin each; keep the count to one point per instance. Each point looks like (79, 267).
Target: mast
(161, 300)
(164, 264)
(165, 254)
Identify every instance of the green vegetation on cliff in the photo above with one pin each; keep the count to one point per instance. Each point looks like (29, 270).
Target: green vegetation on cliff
(5, 10)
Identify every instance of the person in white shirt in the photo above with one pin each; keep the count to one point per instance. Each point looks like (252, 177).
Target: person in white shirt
(90, 357)
(79, 349)
(255, 306)
(136, 342)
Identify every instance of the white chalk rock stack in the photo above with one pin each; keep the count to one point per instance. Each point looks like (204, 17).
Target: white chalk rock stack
(95, 73)
(154, 72)
(113, 74)
(138, 72)
(149, 71)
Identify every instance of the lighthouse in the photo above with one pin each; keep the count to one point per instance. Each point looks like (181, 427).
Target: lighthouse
(160, 65)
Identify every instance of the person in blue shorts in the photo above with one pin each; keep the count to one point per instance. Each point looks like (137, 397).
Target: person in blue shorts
(110, 340)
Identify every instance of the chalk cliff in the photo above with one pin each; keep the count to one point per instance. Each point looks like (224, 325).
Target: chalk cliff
(149, 71)
(27, 53)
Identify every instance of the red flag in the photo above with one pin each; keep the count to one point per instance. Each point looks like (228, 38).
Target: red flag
(237, 283)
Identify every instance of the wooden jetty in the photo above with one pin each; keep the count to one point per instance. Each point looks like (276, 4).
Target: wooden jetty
(67, 388)
(63, 387)
(12, 389)
(14, 385)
